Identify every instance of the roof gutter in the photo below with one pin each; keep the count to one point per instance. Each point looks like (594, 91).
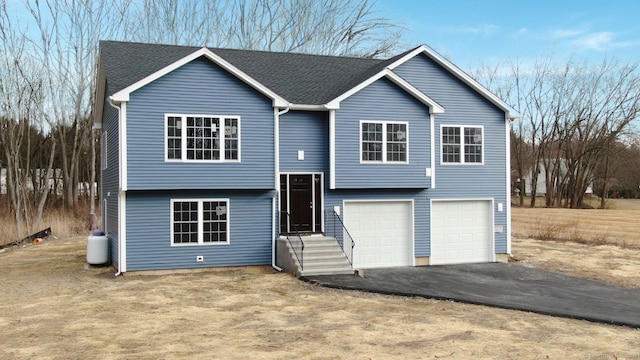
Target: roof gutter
(112, 103)
(276, 199)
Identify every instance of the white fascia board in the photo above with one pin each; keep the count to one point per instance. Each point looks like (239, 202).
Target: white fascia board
(434, 107)
(332, 149)
(335, 103)
(99, 95)
(307, 107)
(508, 182)
(457, 72)
(122, 138)
(123, 95)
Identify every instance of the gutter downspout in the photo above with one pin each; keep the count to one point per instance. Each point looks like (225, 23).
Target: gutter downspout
(276, 148)
(110, 101)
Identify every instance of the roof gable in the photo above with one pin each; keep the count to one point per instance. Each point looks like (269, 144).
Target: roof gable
(123, 94)
(458, 73)
(434, 107)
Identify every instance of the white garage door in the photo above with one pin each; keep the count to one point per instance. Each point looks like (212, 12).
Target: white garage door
(462, 232)
(383, 232)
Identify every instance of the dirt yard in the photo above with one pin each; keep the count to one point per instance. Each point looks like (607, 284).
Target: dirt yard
(53, 307)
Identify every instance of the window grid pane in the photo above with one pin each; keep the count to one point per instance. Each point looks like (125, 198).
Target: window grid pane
(231, 133)
(451, 144)
(214, 221)
(397, 142)
(203, 138)
(174, 137)
(185, 222)
(371, 142)
(473, 145)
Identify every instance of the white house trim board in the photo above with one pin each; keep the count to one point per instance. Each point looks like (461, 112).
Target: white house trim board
(508, 181)
(313, 194)
(332, 149)
(462, 145)
(122, 132)
(221, 132)
(122, 232)
(434, 107)
(123, 95)
(385, 140)
(99, 94)
(200, 201)
(432, 119)
(457, 72)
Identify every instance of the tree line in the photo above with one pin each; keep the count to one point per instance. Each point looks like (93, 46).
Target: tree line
(578, 127)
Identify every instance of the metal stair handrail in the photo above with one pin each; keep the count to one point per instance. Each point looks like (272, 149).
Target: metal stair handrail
(301, 256)
(353, 243)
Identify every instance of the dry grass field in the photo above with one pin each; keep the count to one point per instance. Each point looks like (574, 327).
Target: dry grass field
(618, 225)
(53, 307)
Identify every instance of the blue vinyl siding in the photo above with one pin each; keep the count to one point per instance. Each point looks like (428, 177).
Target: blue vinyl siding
(110, 177)
(199, 87)
(148, 231)
(307, 131)
(464, 106)
(382, 101)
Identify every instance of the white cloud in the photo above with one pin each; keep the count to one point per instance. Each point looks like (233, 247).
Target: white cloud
(564, 33)
(482, 29)
(595, 41)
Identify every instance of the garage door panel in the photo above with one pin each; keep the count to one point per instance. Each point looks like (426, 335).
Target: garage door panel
(382, 231)
(461, 231)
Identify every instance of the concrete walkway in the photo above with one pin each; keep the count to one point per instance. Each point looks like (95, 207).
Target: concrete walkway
(501, 285)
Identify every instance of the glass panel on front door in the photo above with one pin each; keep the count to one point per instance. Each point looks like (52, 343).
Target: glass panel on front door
(300, 203)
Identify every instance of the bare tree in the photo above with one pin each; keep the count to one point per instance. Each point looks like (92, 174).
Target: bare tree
(330, 27)
(21, 101)
(182, 22)
(574, 113)
(66, 45)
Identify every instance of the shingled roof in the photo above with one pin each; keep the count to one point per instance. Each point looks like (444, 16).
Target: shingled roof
(298, 78)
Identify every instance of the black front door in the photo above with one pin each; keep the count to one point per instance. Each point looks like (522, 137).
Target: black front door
(300, 198)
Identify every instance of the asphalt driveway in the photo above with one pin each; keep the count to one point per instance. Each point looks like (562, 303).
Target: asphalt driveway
(501, 285)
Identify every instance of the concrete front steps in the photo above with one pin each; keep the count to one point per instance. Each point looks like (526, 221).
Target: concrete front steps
(322, 256)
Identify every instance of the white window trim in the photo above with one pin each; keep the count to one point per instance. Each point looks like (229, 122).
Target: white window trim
(200, 222)
(103, 150)
(384, 141)
(184, 142)
(461, 162)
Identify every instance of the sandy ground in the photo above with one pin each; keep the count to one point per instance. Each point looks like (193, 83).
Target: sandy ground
(53, 307)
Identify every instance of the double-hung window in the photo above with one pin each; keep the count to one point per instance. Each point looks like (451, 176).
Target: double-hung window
(462, 144)
(202, 138)
(384, 142)
(200, 222)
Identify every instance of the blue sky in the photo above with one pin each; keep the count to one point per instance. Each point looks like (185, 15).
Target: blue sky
(471, 32)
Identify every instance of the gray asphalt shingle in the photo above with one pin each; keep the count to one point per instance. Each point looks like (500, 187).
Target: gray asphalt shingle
(298, 78)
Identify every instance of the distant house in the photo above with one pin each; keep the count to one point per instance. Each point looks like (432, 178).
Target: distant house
(54, 184)
(220, 157)
(541, 182)
(3, 181)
